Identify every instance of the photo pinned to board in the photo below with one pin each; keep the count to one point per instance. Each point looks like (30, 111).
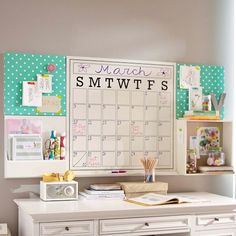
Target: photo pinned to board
(208, 139)
(189, 76)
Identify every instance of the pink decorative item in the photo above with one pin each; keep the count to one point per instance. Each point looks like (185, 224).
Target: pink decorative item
(23, 126)
(51, 67)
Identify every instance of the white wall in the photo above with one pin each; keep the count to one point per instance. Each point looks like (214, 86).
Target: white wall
(167, 30)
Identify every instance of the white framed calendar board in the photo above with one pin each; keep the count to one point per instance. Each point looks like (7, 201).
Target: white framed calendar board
(119, 112)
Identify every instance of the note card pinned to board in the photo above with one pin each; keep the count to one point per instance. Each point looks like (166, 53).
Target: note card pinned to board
(50, 104)
(189, 76)
(30, 95)
(44, 82)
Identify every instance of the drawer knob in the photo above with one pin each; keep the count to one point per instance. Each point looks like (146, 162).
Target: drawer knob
(146, 224)
(67, 228)
(216, 219)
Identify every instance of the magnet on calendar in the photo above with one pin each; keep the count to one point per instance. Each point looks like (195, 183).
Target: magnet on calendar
(51, 67)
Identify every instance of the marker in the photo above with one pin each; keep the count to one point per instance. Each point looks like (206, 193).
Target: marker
(52, 145)
(118, 171)
(63, 150)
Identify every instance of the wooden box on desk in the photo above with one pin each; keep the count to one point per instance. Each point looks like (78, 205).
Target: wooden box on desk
(134, 189)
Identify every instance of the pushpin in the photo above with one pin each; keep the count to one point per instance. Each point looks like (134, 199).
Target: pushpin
(51, 67)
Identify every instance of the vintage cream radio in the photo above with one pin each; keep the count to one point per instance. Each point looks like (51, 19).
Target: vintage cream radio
(59, 191)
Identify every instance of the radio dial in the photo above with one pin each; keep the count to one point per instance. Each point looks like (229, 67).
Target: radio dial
(69, 191)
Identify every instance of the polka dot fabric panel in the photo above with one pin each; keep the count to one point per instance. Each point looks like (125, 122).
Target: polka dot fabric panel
(212, 81)
(19, 67)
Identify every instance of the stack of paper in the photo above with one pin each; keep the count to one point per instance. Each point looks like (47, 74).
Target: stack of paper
(105, 186)
(103, 191)
(201, 115)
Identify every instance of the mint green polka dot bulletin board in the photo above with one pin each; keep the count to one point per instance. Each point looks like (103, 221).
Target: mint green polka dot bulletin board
(19, 67)
(212, 81)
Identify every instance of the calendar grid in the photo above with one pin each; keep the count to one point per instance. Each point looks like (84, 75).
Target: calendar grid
(115, 128)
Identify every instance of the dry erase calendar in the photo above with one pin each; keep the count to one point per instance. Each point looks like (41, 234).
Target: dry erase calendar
(120, 112)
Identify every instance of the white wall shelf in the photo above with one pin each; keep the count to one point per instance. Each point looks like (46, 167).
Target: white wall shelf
(26, 169)
(36, 168)
(187, 128)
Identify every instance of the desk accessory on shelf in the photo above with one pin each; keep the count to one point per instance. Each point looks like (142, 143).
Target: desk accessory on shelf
(216, 157)
(206, 102)
(218, 106)
(54, 147)
(191, 166)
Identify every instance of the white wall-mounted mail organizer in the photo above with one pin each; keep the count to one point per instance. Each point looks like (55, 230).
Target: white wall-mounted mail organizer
(117, 112)
(24, 158)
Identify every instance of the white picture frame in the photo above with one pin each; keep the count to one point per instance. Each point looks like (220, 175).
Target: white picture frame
(195, 98)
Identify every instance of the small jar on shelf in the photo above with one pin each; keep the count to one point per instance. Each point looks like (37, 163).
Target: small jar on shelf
(216, 157)
(191, 165)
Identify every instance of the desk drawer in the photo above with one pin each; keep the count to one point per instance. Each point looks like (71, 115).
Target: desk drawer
(208, 221)
(149, 224)
(84, 228)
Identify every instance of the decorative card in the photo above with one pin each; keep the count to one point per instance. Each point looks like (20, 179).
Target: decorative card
(44, 82)
(189, 76)
(30, 95)
(195, 98)
(23, 126)
(208, 137)
(193, 144)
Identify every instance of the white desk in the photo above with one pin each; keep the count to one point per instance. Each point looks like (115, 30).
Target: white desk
(116, 217)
